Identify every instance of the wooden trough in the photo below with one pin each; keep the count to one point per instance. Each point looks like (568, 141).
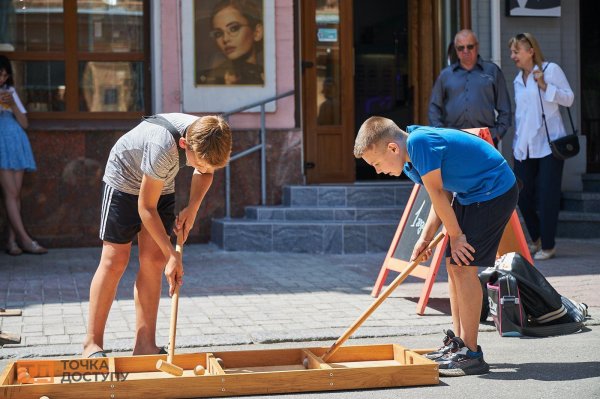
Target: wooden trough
(230, 373)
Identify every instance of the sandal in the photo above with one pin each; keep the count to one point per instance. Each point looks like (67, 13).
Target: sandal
(13, 249)
(99, 354)
(35, 249)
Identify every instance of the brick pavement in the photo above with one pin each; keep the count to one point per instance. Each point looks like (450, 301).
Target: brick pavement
(233, 298)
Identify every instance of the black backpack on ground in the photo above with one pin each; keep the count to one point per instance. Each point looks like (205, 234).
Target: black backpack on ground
(522, 302)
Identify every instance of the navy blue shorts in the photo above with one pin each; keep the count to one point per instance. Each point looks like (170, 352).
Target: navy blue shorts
(483, 224)
(120, 219)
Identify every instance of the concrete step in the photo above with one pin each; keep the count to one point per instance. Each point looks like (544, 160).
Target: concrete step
(354, 195)
(591, 182)
(578, 225)
(330, 237)
(577, 201)
(287, 213)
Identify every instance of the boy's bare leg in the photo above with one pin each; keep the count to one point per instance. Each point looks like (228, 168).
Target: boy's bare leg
(454, 305)
(469, 298)
(147, 293)
(113, 261)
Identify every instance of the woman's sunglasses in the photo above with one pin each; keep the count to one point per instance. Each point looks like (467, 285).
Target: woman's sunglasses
(522, 37)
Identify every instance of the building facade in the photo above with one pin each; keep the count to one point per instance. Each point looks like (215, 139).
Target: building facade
(89, 70)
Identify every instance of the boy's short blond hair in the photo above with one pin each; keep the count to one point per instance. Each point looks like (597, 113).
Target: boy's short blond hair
(209, 138)
(374, 130)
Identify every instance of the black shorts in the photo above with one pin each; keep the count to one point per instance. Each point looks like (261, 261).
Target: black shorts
(120, 219)
(483, 224)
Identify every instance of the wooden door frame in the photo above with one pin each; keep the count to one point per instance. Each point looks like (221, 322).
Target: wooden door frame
(309, 93)
(424, 50)
(425, 65)
(425, 45)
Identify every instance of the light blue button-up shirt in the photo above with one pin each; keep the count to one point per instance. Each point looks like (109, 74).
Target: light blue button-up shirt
(465, 99)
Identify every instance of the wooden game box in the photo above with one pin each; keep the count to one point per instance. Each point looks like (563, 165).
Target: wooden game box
(227, 373)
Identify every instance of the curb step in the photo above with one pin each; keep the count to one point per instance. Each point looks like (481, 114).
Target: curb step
(362, 218)
(577, 201)
(591, 182)
(328, 219)
(283, 213)
(306, 236)
(578, 225)
(580, 210)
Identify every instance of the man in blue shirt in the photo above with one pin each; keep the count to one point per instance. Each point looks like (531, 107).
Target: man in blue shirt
(447, 161)
(468, 92)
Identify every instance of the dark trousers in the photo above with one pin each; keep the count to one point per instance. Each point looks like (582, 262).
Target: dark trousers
(539, 198)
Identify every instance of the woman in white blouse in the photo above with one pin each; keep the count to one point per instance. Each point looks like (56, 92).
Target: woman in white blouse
(537, 83)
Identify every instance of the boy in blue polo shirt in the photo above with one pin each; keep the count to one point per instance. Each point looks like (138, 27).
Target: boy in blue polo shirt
(473, 193)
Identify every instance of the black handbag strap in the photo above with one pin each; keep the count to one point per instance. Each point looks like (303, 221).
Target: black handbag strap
(544, 115)
(164, 122)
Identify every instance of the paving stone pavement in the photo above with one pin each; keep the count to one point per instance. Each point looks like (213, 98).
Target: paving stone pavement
(237, 298)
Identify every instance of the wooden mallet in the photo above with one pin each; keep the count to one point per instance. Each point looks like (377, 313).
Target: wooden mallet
(168, 366)
(379, 300)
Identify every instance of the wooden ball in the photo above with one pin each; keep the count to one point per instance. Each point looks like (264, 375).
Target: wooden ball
(199, 370)
(24, 377)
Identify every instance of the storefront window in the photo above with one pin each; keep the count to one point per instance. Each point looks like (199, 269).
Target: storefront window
(110, 26)
(111, 86)
(41, 85)
(74, 59)
(31, 25)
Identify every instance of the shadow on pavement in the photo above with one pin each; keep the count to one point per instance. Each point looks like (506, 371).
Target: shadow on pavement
(554, 371)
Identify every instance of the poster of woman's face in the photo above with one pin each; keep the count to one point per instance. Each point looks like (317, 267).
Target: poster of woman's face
(229, 42)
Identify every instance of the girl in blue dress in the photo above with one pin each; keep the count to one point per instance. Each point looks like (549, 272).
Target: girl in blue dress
(16, 157)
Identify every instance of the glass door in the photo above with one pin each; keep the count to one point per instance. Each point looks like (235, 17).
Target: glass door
(328, 90)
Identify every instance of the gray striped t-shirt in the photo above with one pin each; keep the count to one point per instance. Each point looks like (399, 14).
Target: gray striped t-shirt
(147, 149)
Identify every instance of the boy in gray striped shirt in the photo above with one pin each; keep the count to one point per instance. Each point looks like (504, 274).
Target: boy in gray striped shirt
(139, 199)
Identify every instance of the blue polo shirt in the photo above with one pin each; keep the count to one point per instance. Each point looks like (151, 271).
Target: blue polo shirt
(470, 167)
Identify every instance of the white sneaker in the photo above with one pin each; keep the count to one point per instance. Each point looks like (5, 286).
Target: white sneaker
(535, 247)
(545, 254)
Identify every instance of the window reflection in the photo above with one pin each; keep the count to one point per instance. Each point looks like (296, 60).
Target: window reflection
(327, 18)
(110, 25)
(41, 84)
(31, 25)
(111, 86)
(34, 31)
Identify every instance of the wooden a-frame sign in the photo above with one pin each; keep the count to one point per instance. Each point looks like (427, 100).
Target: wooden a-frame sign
(409, 230)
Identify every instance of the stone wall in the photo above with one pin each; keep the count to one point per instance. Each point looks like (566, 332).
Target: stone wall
(61, 200)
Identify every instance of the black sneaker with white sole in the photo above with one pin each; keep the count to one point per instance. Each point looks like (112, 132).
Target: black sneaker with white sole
(463, 362)
(450, 342)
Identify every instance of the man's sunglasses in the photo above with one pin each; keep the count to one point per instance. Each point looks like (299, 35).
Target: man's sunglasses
(468, 47)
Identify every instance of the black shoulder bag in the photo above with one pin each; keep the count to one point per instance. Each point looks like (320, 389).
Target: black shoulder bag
(564, 147)
(162, 121)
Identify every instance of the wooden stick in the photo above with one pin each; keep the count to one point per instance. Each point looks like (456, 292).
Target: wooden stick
(405, 273)
(18, 312)
(168, 366)
(7, 338)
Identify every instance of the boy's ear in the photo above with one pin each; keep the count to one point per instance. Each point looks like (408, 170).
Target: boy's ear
(182, 142)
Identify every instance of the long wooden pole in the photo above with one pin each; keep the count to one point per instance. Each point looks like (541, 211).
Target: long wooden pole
(405, 273)
(175, 304)
(169, 366)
